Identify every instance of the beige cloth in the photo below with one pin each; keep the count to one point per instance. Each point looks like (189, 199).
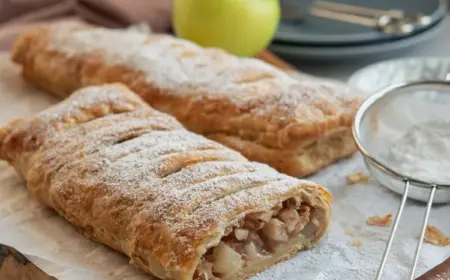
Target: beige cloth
(16, 15)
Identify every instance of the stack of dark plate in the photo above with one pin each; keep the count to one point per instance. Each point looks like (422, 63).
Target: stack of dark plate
(314, 37)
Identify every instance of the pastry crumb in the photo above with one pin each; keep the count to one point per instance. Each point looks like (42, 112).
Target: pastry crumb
(349, 232)
(435, 236)
(380, 221)
(357, 178)
(356, 243)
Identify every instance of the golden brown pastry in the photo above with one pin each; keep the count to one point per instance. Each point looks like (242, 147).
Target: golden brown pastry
(295, 126)
(180, 206)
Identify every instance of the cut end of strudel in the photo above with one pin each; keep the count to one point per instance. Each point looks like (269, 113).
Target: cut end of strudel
(179, 205)
(295, 126)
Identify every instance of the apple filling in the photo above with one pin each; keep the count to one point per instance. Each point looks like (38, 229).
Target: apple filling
(260, 239)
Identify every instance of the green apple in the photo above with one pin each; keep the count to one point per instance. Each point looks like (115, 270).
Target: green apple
(241, 27)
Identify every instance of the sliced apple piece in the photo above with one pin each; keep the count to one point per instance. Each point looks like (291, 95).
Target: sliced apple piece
(226, 260)
(276, 230)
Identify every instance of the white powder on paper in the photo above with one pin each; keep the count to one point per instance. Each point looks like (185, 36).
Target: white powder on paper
(57, 248)
(423, 152)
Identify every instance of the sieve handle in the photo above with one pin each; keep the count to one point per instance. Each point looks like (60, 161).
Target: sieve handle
(393, 231)
(422, 234)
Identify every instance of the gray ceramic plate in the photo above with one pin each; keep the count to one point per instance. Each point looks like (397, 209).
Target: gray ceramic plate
(320, 32)
(380, 49)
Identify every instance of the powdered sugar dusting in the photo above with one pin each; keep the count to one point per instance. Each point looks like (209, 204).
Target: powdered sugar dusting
(57, 248)
(180, 67)
(423, 152)
(109, 171)
(335, 259)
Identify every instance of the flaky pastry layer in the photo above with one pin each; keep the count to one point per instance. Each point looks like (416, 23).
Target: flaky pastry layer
(179, 205)
(209, 91)
(300, 161)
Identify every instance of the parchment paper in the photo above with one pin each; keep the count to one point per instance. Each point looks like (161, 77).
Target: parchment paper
(57, 248)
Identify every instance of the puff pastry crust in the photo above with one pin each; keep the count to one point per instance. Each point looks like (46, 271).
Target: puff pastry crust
(295, 126)
(179, 205)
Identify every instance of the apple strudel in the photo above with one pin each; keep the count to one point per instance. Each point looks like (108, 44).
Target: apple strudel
(179, 205)
(295, 126)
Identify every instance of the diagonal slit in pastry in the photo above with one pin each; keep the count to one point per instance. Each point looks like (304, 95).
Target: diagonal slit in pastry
(178, 205)
(246, 104)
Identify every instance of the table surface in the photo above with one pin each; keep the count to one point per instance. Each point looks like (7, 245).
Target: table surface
(438, 46)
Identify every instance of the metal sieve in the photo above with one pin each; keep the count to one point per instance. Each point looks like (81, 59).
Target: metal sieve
(380, 121)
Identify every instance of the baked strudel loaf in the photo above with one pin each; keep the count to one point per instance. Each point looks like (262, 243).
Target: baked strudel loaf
(295, 126)
(179, 205)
